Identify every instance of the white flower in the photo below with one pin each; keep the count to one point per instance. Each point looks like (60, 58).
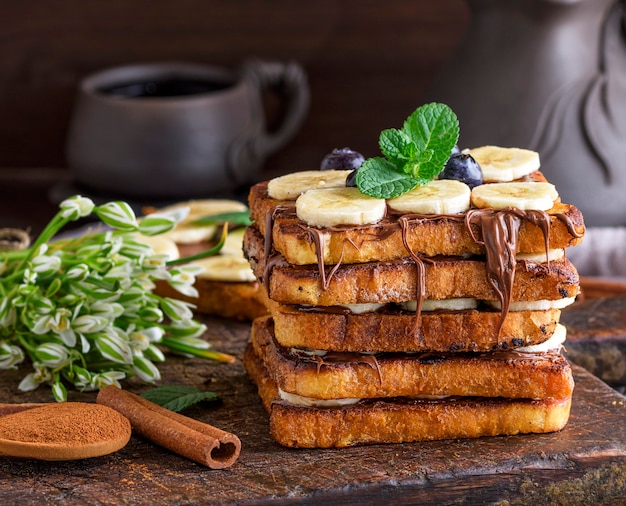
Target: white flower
(89, 323)
(76, 207)
(78, 271)
(34, 379)
(177, 310)
(10, 356)
(107, 378)
(183, 278)
(141, 339)
(51, 354)
(46, 265)
(156, 266)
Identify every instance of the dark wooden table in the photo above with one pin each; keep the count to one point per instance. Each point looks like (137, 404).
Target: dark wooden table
(583, 464)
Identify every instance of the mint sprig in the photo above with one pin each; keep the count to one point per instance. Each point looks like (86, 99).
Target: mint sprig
(177, 398)
(413, 156)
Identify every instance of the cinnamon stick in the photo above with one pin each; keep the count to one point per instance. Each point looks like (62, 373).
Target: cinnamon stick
(190, 438)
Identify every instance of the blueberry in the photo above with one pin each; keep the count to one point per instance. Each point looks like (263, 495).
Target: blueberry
(464, 168)
(456, 149)
(342, 159)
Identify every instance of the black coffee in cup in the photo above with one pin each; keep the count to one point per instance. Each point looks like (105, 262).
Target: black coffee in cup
(163, 88)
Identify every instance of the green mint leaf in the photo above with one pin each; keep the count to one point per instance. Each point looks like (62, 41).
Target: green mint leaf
(178, 397)
(397, 146)
(432, 127)
(380, 178)
(234, 218)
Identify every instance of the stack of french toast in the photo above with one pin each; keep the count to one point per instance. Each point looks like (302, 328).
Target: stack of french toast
(432, 315)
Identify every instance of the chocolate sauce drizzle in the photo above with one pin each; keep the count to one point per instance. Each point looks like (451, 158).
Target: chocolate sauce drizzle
(496, 230)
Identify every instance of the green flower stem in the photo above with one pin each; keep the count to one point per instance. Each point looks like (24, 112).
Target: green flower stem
(174, 345)
(55, 224)
(214, 250)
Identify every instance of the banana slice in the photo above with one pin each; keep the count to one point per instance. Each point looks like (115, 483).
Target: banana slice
(457, 304)
(525, 196)
(554, 343)
(534, 305)
(161, 245)
(291, 186)
(363, 308)
(186, 233)
(339, 206)
(540, 258)
(504, 164)
(440, 196)
(225, 268)
(233, 245)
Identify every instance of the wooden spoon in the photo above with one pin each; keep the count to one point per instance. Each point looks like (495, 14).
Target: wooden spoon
(63, 431)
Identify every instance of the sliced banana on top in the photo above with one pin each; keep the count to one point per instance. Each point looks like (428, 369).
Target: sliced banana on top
(186, 233)
(504, 164)
(339, 206)
(291, 186)
(526, 196)
(440, 196)
(225, 268)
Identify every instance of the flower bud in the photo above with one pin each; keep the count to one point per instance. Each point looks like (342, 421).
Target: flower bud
(51, 354)
(145, 370)
(118, 215)
(76, 207)
(10, 356)
(155, 224)
(59, 392)
(114, 348)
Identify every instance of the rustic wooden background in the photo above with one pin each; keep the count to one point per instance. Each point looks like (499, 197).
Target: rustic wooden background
(368, 61)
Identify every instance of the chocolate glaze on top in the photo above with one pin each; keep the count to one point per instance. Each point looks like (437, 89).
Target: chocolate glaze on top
(496, 230)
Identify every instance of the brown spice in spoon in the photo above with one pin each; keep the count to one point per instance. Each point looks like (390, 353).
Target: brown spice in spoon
(64, 431)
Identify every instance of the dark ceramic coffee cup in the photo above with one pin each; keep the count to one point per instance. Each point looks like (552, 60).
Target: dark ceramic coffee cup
(180, 130)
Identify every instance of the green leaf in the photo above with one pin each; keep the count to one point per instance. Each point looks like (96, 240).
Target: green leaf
(178, 397)
(432, 127)
(397, 146)
(234, 218)
(380, 178)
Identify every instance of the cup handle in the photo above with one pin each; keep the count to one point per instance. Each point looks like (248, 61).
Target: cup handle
(290, 78)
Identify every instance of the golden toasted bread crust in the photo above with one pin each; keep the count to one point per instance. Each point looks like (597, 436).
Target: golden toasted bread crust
(395, 330)
(401, 420)
(354, 375)
(233, 300)
(396, 280)
(444, 235)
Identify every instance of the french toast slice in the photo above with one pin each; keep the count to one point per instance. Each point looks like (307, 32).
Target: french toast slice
(397, 280)
(427, 235)
(335, 375)
(401, 420)
(392, 329)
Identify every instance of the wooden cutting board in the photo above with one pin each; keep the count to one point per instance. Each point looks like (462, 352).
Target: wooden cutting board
(583, 464)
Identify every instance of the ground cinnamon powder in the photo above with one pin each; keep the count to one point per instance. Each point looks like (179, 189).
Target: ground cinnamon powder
(68, 423)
